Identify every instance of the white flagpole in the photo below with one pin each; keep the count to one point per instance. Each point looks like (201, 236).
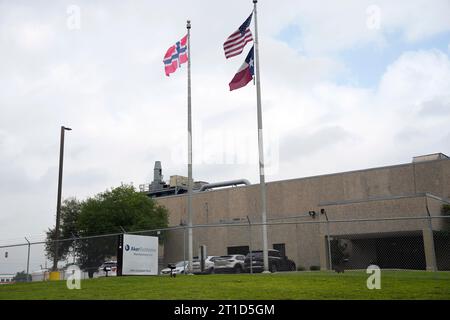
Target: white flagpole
(262, 182)
(189, 205)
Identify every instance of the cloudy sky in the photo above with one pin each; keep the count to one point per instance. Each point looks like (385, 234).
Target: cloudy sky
(345, 85)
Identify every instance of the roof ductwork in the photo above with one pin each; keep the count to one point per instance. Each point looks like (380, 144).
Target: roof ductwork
(224, 184)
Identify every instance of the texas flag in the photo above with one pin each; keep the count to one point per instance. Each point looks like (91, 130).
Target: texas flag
(245, 73)
(176, 56)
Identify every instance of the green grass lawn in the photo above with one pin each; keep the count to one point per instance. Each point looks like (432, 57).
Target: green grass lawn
(295, 285)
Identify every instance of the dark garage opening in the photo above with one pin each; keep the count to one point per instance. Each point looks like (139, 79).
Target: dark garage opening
(401, 253)
(388, 252)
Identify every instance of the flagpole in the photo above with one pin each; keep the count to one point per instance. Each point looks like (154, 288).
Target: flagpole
(189, 204)
(262, 182)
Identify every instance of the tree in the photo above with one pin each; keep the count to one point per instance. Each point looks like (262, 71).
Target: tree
(70, 210)
(105, 213)
(22, 277)
(110, 212)
(121, 207)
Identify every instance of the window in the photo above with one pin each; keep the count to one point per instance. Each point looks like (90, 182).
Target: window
(281, 247)
(238, 250)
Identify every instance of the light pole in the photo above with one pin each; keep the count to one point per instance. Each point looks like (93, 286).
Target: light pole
(58, 204)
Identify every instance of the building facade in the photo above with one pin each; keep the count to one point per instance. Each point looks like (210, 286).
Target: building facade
(6, 278)
(380, 215)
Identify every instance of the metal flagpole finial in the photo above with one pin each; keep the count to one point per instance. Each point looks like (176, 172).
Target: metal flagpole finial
(188, 24)
(255, 1)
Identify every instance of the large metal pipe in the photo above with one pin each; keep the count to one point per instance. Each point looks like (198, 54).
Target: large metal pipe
(224, 184)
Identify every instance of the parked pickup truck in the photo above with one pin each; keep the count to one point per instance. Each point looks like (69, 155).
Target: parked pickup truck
(277, 262)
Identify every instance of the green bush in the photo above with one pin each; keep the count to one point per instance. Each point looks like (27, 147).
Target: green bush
(301, 268)
(314, 268)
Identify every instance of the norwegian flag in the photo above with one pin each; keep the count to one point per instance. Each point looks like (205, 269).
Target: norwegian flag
(175, 56)
(236, 42)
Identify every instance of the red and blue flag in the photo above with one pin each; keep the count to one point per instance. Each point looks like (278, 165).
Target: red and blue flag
(245, 73)
(175, 56)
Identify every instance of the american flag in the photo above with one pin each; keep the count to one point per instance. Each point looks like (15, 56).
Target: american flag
(236, 42)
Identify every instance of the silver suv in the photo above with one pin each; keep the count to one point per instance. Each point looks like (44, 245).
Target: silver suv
(209, 265)
(231, 263)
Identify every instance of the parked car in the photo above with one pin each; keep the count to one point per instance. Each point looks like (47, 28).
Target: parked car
(277, 262)
(231, 263)
(209, 265)
(180, 268)
(108, 268)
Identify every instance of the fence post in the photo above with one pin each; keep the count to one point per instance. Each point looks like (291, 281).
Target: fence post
(250, 244)
(74, 247)
(330, 263)
(184, 250)
(428, 242)
(28, 258)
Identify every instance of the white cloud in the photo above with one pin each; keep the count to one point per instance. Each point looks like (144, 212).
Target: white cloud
(417, 19)
(416, 76)
(329, 26)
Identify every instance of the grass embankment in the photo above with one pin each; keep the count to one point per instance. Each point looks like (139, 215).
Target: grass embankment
(296, 285)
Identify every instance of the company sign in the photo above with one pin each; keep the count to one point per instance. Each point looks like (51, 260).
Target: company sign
(140, 255)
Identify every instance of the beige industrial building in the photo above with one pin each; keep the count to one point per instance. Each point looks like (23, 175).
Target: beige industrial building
(387, 206)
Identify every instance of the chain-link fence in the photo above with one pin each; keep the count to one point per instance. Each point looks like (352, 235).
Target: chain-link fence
(304, 242)
(413, 244)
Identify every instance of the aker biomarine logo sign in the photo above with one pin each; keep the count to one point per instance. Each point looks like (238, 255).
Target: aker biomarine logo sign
(139, 255)
(138, 249)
